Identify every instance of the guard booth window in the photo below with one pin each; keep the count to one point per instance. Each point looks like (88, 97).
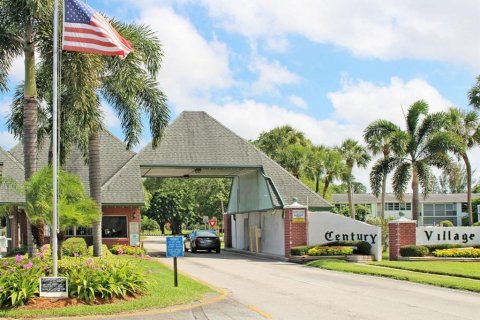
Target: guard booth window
(114, 227)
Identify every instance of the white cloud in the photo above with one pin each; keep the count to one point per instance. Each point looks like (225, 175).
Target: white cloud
(372, 28)
(361, 102)
(298, 102)
(7, 140)
(192, 66)
(271, 75)
(4, 108)
(17, 70)
(109, 117)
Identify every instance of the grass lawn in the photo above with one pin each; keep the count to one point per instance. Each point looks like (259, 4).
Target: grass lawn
(425, 278)
(161, 294)
(449, 268)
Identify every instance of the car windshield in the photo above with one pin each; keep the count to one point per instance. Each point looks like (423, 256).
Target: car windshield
(206, 233)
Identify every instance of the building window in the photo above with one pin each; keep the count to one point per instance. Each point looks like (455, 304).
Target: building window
(78, 232)
(433, 214)
(114, 227)
(397, 206)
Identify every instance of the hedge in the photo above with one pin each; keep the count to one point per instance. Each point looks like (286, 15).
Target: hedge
(330, 251)
(458, 253)
(414, 251)
(74, 247)
(361, 247)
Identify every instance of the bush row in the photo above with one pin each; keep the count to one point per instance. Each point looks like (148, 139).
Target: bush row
(123, 249)
(458, 253)
(358, 247)
(438, 250)
(330, 251)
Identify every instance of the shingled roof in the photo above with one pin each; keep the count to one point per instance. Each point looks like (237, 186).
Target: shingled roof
(121, 181)
(197, 139)
(11, 169)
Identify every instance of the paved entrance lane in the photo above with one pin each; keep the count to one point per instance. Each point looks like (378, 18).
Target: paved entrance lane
(289, 291)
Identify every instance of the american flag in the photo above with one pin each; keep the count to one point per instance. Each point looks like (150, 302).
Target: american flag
(86, 30)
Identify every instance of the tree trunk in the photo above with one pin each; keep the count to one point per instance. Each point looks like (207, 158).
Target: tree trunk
(469, 189)
(29, 117)
(317, 184)
(350, 200)
(61, 239)
(95, 188)
(325, 187)
(415, 199)
(162, 228)
(384, 190)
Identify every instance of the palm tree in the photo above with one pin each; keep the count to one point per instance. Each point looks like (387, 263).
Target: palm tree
(293, 159)
(128, 85)
(76, 208)
(353, 154)
(378, 136)
(334, 167)
(315, 167)
(465, 126)
(20, 23)
(414, 151)
(275, 141)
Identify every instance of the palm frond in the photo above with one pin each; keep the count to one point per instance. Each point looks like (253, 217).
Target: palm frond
(416, 110)
(424, 176)
(401, 178)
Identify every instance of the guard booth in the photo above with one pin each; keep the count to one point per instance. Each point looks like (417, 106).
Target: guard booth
(196, 145)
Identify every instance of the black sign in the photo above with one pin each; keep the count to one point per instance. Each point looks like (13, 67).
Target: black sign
(52, 284)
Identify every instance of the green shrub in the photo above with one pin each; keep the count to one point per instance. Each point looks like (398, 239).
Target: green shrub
(123, 249)
(89, 279)
(300, 250)
(149, 224)
(74, 247)
(476, 224)
(414, 251)
(433, 247)
(361, 247)
(446, 223)
(19, 280)
(20, 250)
(458, 253)
(105, 251)
(330, 251)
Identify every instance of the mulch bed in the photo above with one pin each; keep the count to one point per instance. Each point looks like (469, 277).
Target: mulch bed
(49, 303)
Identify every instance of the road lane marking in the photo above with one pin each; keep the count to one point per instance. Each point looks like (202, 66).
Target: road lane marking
(260, 312)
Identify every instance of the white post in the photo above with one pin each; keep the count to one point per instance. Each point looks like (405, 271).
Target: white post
(54, 231)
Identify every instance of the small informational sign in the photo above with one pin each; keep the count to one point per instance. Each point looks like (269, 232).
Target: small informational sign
(175, 246)
(212, 223)
(53, 287)
(134, 234)
(298, 215)
(205, 219)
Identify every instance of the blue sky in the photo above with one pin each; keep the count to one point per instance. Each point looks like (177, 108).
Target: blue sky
(328, 68)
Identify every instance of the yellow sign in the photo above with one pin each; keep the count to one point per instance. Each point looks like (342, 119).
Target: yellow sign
(298, 215)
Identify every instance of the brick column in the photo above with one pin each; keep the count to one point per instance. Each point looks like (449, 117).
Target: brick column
(295, 222)
(401, 232)
(227, 230)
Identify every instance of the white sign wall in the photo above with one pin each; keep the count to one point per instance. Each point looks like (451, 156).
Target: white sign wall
(326, 227)
(453, 235)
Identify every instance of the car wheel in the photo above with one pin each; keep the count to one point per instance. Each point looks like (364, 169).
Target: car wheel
(193, 250)
(209, 250)
(186, 249)
(217, 250)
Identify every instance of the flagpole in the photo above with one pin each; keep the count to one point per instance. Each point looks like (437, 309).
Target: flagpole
(54, 231)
